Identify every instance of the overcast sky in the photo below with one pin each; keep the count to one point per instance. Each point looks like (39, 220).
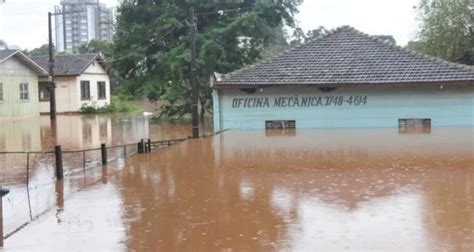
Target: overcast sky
(24, 22)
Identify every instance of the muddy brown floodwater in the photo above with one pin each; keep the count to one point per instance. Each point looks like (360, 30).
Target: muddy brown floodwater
(85, 131)
(304, 190)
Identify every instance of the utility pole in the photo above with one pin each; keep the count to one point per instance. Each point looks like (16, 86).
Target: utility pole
(52, 84)
(193, 80)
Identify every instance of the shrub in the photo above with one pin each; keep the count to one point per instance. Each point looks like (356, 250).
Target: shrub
(118, 104)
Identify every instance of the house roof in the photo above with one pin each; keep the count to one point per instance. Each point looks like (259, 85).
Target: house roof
(69, 65)
(346, 56)
(7, 54)
(4, 54)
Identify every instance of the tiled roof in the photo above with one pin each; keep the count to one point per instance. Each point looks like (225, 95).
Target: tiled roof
(27, 61)
(67, 65)
(347, 56)
(6, 54)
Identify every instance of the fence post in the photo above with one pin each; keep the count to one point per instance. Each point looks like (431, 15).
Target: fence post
(149, 145)
(140, 146)
(59, 188)
(3, 192)
(103, 151)
(59, 162)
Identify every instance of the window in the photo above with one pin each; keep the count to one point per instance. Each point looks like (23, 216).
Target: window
(24, 92)
(43, 91)
(101, 90)
(1, 92)
(85, 90)
(414, 125)
(280, 124)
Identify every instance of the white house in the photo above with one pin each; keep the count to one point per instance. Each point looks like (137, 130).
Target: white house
(80, 80)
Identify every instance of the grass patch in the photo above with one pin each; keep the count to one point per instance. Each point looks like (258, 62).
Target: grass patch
(118, 104)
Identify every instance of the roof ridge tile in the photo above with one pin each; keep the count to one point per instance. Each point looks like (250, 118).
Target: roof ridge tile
(349, 58)
(429, 57)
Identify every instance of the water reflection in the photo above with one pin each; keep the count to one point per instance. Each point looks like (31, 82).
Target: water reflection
(85, 131)
(20, 134)
(76, 131)
(326, 190)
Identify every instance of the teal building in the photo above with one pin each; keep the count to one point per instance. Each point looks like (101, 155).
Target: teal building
(345, 79)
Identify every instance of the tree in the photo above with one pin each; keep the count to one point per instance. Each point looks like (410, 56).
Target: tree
(415, 45)
(446, 30)
(97, 46)
(151, 47)
(3, 45)
(299, 37)
(387, 39)
(277, 43)
(40, 51)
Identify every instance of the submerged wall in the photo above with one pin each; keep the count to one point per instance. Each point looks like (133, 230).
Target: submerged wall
(344, 107)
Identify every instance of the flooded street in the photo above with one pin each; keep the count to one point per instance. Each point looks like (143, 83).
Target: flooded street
(85, 131)
(303, 190)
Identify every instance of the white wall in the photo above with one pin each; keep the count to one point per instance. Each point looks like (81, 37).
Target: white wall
(68, 90)
(94, 73)
(65, 96)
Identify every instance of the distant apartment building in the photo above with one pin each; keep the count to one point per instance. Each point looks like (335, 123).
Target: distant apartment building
(82, 21)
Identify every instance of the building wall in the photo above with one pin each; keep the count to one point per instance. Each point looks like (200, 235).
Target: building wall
(12, 73)
(68, 91)
(94, 73)
(382, 107)
(66, 95)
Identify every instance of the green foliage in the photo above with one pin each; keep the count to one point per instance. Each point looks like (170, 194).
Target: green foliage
(386, 38)
(118, 104)
(446, 30)
(40, 51)
(97, 46)
(152, 44)
(299, 37)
